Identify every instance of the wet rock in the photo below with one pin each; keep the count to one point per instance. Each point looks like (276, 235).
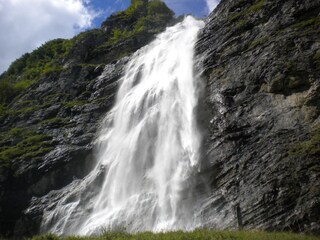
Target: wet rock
(262, 101)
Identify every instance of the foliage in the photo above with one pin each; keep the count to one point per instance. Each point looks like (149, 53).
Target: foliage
(48, 236)
(195, 235)
(3, 109)
(136, 8)
(29, 68)
(310, 147)
(43, 58)
(241, 24)
(252, 9)
(311, 22)
(143, 16)
(259, 41)
(75, 103)
(7, 92)
(118, 34)
(316, 57)
(316, 60)
(20, 143)
(86, 34)
(56, 120)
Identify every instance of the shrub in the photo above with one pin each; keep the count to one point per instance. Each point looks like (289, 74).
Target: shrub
(143, 16)
(308, 147)
(29, 68)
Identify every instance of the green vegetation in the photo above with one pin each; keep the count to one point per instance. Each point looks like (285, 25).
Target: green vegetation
(56, 121)
(241, 24)
(40, 60)
(26, 110)
(309, 147)
(29, 68)
(252, 9)
(118, 34)
(20, 143)
(311, 22)
(75, 103)
(56, 97)
(143, 16)
(259, 41)
(309, 25)
(7, 91)
(92, 33)
(3, 109)
(195, 235)
(316, 57)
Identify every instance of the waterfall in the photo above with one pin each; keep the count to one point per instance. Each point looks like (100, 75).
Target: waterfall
(148, 148)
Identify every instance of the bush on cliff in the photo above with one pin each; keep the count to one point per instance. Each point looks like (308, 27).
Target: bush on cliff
(140, 18)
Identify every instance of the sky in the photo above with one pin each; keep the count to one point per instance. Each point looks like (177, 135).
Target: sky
(27, 24)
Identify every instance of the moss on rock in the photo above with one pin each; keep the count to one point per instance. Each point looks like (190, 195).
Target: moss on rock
(21, 143)
(310, 147)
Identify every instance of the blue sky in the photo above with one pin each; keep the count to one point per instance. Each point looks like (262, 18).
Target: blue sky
(27, 24)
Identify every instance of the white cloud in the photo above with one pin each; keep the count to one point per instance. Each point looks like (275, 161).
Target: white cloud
(212, 4)
(26, 24)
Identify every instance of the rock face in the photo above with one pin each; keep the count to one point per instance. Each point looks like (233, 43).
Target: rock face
(70, 125)
(260, 110)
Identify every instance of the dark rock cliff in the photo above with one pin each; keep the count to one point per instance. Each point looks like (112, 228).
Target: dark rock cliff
(261, 112)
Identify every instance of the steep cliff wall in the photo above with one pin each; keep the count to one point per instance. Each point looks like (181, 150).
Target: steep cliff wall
(261, 112)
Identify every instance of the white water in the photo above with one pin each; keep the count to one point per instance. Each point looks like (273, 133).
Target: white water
(148, 148)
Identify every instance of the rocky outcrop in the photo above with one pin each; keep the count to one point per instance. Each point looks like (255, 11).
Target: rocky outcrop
(261, 69)
(75, 102)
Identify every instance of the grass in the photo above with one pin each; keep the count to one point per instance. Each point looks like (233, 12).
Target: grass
(144, 16)
(241, 24)
(259, 41)
(3, 109)
(195, 235)
(252, 9)
(30, 67)
(75, 103)
(308, 147)
(57, 122)
(315, 21)
(21, 143)
(316, 57)
(27, 107)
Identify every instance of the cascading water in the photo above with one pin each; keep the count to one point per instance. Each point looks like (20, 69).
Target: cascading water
(148, 148)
